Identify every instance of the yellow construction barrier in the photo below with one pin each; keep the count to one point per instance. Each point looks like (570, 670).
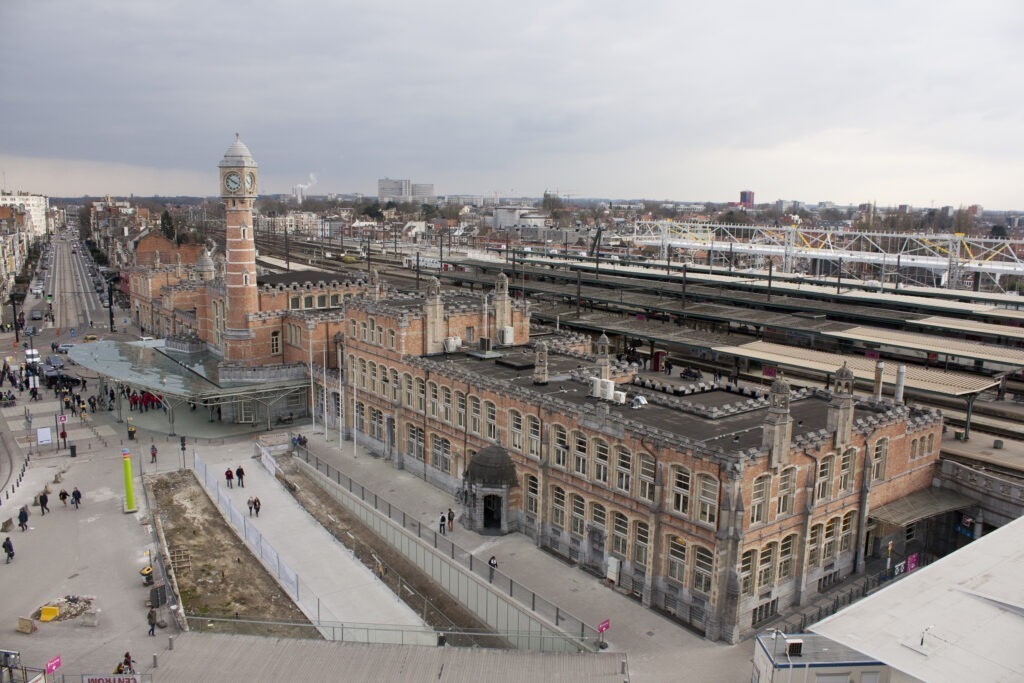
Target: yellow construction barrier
(48, 613)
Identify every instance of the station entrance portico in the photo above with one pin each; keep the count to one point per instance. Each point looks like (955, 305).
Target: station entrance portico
(180, 394)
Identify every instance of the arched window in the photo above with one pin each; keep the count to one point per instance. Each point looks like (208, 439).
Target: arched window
(558, 507)
(786, 550)
(913, 449)
(532, 494)
(647, 474)
(474, 414)
(441, 453)
(624, 470)
(814, 546)
(759, 498)
(560, 439)
(828, 546)
(766, 567)
(579, 454)
(601, 459)
(460, 409)
(676, 559)
(533, 435)
(579, 515)
(491, 416)
(620, 535)
(515, 430)
(846, 537)
(878, 458)
(681, 490)
(823, 489)
(747, 562)
(787, 491)
(703, 566)
(931, 444)
(641, 543)
(707, 503)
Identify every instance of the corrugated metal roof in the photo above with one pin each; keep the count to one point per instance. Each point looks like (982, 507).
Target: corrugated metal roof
(969, 326)
(930, 343)
(920, 505)
(202, 656)
(921, 379)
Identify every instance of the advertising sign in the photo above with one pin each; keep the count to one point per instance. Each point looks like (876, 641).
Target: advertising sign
(43, 437)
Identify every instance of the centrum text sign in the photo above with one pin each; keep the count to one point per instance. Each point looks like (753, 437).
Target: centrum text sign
(117, 678)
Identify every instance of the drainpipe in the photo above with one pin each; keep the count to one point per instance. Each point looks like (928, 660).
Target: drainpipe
(901, 378)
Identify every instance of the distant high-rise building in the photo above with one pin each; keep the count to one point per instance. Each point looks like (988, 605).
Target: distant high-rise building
(747, 198)
(423, 193)
(389, 190)
(36, 207)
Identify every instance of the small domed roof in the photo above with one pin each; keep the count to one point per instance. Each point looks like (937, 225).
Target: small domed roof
(238, 155)
(492, 467)
(780, 385)
(204, 264)
(844, 372)
(603, 339)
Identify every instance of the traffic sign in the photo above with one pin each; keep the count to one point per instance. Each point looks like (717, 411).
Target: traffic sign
(62, 419)
(72, 332)
(52, 665)
(604, 626)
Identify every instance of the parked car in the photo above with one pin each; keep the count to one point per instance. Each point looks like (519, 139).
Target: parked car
(55, 361)
(90, 338)
(64, 348)
(37, 315)
(30, 331)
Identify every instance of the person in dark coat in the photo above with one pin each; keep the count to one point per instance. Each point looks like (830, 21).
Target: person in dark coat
(229, 477)
(23, 518)
(43, 502)
(76, 497)
(256, 505)
(9, 549)
(240, 476)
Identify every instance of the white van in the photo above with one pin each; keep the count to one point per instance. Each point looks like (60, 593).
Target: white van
(32, 356)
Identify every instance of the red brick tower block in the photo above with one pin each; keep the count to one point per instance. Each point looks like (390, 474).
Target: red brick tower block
(238, 182)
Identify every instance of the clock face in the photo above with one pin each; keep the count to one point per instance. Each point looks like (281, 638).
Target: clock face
(232, 181)
(250, 182)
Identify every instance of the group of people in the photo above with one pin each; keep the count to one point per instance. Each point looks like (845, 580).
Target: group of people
(447, 520)
(144, 401)
(299, 440)
(231, 475)
(19, 380)
(44, 506)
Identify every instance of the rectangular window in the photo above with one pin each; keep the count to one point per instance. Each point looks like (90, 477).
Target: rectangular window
(532, 493)
(597, 515)
(648, 472)
(433, 399)
(533, 437)
(828, 547)
(474, 415)
(910, 533)
(492, 421)
(681, 491)
(446, 404)
(759, 499)
(786, 557)
(747, 572)
(515, 430)
(414, 442)
(421, 395)
(878, 460)
(275, 342)
(766, 566)
(442, 454)
(321, 301)
(824, 487)
(677, 559)
(294, 304)
(460, 410)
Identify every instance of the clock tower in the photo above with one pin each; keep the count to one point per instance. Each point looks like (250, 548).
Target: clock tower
(238, 189)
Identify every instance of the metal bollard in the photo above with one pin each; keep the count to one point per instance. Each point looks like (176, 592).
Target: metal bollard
(170, 642)
(154, 660)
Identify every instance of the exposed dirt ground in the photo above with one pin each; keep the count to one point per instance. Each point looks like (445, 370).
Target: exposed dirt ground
(224, 579)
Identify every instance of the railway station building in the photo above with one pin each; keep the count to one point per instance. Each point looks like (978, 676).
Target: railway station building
(719, 505)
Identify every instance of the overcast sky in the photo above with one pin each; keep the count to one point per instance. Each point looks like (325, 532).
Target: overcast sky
(886, 101)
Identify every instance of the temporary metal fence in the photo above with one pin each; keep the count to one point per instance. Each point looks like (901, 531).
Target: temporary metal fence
(582, 635)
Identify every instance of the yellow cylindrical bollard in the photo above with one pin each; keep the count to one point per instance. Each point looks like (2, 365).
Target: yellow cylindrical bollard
(129, 493)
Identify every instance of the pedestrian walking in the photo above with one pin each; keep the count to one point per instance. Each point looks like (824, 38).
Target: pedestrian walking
(9, 549)
(256, 505)
(152, 453)
(23, 518)
(76, 497)
(251, 502)
(240, 476)
(492, 564)
(151, 619)
(443, 523)
(43, 502)
(229, 476)
(64, 495)
(451, 519)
